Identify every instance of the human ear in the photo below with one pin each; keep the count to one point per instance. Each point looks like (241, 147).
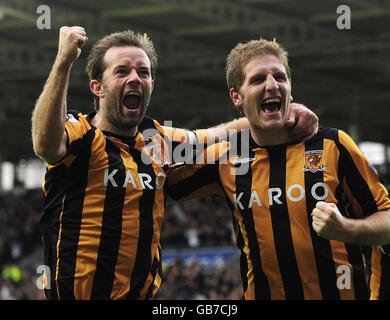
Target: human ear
(236, 98)
(97, 88)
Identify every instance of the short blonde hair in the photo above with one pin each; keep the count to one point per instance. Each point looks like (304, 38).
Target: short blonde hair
(242, 53)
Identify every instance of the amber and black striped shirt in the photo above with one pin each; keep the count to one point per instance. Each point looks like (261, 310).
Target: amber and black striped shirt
(103, 212)
(272, 192)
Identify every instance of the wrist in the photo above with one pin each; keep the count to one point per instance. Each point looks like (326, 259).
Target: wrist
(62, 64)
(350, 230)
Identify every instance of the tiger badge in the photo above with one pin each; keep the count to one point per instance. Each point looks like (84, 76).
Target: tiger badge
(314, 161)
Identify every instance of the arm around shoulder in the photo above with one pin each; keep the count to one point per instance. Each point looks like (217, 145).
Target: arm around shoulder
(223, 130)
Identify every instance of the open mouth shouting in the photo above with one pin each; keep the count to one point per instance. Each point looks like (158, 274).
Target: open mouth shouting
(271, 105)
(132, 101)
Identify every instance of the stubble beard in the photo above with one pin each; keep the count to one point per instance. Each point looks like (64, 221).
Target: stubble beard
(115, 115)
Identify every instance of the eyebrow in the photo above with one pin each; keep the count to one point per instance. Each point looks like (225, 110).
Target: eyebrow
(273, 72)
(126, 66)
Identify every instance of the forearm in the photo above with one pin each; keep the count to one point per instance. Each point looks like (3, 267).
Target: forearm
(236, 124)
(373, 230)
(222, 130)
(48, 120)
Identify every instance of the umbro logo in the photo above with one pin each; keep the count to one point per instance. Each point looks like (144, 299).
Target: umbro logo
(243, 160)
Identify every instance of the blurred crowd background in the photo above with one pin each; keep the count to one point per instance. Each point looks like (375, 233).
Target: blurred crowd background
(199, 224)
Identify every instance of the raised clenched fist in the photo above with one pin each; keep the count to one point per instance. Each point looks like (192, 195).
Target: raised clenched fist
(71, 41)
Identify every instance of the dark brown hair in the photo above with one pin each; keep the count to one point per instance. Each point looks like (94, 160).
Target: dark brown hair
(95, 61)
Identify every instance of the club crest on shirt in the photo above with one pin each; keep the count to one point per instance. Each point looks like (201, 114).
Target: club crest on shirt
(314, 161)
(155, 152)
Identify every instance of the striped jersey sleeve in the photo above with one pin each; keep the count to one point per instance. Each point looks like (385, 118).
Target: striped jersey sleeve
(363, 185)
(177, 144)
(365, 194)
(77, 127)
(200, 179)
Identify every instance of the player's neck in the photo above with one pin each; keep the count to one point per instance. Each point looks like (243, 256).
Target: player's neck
(271, 137)
(103, 124)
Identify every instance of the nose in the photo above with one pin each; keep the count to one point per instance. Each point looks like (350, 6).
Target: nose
(271, 84)
(133, 77)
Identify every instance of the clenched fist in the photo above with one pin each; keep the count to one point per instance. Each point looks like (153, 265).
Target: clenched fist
(71, 41)
(302, 122)
(329, 223)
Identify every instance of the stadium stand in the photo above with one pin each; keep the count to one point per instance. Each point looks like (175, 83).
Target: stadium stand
(20, 244)
(189, 270)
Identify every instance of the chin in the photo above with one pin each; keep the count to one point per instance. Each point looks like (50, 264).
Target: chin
(132, 122)
(271, 125)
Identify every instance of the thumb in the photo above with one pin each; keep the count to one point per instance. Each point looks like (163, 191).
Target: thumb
(291, 121)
